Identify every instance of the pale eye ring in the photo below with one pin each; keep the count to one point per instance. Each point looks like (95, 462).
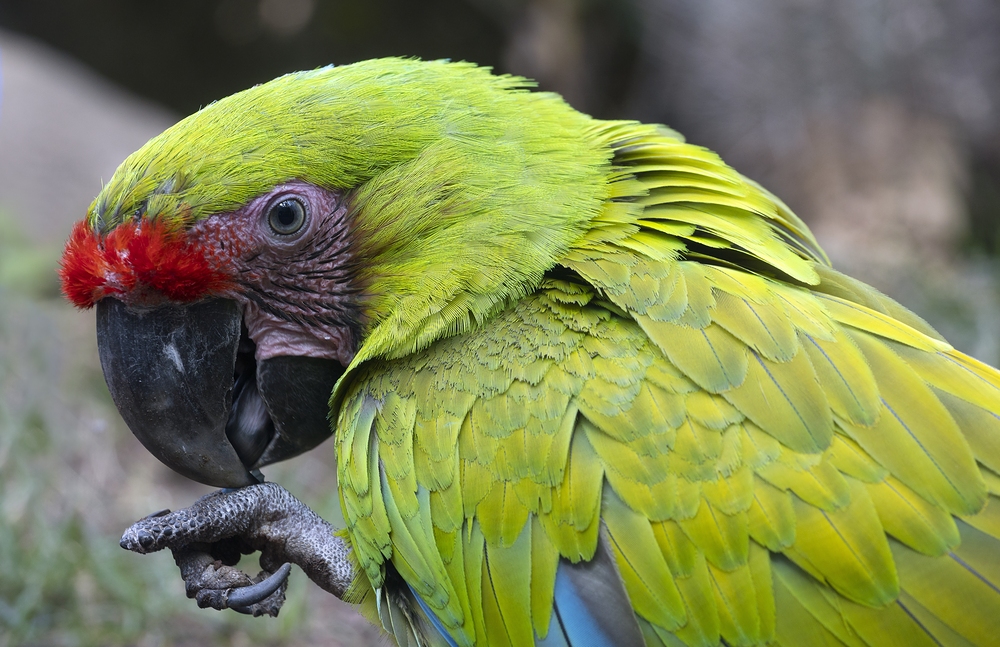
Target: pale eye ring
(287, 217)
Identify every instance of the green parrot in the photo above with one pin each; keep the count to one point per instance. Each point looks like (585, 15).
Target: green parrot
(588, 384)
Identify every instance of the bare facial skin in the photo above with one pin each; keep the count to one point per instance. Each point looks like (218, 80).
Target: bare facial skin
(297, 290)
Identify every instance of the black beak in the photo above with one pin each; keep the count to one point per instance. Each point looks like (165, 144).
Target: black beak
(185, 380)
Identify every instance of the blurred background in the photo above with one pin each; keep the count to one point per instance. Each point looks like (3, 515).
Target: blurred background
(878, 121)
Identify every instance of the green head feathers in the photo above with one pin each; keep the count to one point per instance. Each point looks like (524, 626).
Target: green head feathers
(450, 169)
(339, 127)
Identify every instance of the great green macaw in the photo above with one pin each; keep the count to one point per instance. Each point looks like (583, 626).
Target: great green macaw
(588, 384)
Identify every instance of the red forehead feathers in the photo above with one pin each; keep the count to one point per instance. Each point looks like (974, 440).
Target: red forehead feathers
(140, 254)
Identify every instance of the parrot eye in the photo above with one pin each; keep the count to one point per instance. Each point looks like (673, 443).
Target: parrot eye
(287, 217)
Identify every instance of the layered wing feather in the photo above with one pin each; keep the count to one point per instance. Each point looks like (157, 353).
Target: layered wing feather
(766, 451)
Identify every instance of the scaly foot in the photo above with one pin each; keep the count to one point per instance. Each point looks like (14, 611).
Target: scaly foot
(208, 538)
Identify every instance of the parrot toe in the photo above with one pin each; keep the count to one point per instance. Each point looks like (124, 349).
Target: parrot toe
(219, 586)
(209, 537)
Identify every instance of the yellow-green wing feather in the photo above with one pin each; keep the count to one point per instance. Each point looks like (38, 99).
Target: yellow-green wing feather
(773, 453)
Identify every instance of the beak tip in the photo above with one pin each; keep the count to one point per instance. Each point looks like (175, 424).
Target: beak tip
(170, 373)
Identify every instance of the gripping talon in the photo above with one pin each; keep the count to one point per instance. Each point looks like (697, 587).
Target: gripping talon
(242, 598)
(208, 538)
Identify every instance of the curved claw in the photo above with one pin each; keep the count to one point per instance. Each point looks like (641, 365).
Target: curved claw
(242, 598)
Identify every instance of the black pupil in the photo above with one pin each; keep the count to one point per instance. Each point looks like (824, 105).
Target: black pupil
(287, 214)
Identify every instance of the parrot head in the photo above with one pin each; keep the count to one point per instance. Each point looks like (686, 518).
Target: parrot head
(221, 342)
(244, 259)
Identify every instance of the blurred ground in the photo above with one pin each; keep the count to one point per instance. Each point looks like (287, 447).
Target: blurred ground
(878, 121)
